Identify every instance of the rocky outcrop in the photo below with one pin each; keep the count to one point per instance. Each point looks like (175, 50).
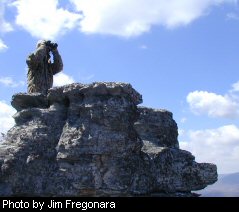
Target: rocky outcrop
(93, 140)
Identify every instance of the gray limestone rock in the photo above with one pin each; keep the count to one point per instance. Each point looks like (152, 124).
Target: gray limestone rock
(157, 127)
(93, 140)
(25, 100)
(176, 170)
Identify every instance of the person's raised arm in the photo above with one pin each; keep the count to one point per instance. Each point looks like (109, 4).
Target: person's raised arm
(57, 65)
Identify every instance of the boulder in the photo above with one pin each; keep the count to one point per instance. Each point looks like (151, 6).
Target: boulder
(93, 140)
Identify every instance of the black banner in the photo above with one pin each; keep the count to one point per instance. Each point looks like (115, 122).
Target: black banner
(117, 203)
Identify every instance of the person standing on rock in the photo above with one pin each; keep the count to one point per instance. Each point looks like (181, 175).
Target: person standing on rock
(41, 69)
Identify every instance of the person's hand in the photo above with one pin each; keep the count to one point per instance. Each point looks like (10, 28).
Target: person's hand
(54, 46)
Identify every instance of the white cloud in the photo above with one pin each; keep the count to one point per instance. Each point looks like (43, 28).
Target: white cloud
(43, 18)
(2, 45)
(134, 17)
(219, 146)
(214, 105)
(4, 25)
(62, 79)
(6, 120)
(181, 132)
(183, 120)
(235, 87)
(143, 47)
(47, 19)
(9, 82)
(233, 16)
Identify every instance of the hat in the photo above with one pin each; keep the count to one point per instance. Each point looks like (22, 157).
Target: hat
(40, 42)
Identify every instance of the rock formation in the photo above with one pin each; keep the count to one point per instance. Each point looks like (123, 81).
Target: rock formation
(93, 140)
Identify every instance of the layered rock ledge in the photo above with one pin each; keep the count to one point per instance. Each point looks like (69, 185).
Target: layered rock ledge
(93, 140)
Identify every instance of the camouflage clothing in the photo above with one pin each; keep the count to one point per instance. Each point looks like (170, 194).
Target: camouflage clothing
(41, 70)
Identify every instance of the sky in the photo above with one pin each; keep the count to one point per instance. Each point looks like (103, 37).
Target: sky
(181, 55)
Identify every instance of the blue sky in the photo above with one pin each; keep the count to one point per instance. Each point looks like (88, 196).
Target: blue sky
(181, 55)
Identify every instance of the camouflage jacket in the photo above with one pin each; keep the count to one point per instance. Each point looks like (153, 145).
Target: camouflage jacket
(41, 69)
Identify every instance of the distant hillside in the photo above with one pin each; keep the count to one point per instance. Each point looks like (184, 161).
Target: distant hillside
(226, 186)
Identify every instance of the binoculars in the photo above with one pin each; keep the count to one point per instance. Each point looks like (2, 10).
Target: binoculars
(51, 45)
